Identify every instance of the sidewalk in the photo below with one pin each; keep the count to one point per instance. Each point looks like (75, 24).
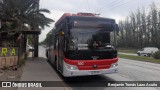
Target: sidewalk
(39, 70)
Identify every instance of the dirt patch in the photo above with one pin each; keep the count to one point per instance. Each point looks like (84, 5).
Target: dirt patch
(11, 74)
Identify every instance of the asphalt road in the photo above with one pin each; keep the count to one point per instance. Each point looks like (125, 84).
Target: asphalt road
(129, 70)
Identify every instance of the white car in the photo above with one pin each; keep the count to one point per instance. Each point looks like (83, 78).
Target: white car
(30, 48)
(147, 51)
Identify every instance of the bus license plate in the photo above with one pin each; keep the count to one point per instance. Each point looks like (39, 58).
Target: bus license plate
(95, 72)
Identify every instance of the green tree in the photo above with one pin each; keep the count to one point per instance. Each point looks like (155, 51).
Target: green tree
(140, 29)
(24, 12)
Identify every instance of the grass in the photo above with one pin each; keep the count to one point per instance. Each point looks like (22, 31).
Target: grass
(127, 50)
(140, 58)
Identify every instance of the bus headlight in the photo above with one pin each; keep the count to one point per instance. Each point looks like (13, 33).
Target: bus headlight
(71, 67)
(114, 65)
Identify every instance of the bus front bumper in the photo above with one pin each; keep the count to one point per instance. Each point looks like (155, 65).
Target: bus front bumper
(72, 73)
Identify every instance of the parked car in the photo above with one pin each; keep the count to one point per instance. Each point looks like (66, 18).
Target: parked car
(30, 48)
(147, 51)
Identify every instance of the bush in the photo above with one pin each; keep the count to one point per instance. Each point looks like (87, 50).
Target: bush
(156, 55)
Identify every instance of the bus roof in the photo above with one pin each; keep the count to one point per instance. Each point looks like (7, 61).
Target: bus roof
(91, 18)
(83, 16)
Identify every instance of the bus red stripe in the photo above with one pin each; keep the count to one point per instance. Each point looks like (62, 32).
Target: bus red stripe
(91, 67)
(88, 64)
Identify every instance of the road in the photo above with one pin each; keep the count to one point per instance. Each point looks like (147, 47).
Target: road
(129, 70)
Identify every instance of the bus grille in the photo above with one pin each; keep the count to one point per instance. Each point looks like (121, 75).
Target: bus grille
(88, 55)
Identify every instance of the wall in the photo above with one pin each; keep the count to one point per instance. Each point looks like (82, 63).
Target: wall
(8, 56)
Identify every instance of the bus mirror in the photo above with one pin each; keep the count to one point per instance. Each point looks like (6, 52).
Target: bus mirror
(61, 33)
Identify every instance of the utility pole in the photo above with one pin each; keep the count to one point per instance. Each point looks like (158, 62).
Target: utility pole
(36, 36)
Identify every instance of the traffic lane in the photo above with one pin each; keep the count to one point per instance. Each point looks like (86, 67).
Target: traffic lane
(129, 70)
(89, 80)
(86, 82)
(113, 88)
(138, 70)
(93, 83)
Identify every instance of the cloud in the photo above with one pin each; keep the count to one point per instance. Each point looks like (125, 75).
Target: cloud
(55, 15)
(116, 9)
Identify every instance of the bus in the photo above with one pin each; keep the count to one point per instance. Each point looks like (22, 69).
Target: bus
(80, 45)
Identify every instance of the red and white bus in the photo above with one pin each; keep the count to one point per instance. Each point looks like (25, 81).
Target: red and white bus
(80, 45)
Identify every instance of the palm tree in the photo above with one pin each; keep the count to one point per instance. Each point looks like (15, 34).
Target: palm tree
(24, 12)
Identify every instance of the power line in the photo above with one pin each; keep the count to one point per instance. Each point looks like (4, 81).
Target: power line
(111, 3)
(146, 8)
(105, 5)
(119, 5)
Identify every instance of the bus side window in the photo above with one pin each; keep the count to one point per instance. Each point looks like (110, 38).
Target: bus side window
(57, 44)
(54, 42)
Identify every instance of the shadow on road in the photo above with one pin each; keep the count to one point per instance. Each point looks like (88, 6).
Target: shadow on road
(87, 81)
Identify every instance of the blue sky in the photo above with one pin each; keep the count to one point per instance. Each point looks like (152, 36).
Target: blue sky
(116, 9)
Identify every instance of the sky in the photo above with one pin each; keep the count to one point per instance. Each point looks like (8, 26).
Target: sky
(116, 9)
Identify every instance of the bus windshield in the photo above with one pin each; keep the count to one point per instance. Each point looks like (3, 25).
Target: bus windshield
(88, 38)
